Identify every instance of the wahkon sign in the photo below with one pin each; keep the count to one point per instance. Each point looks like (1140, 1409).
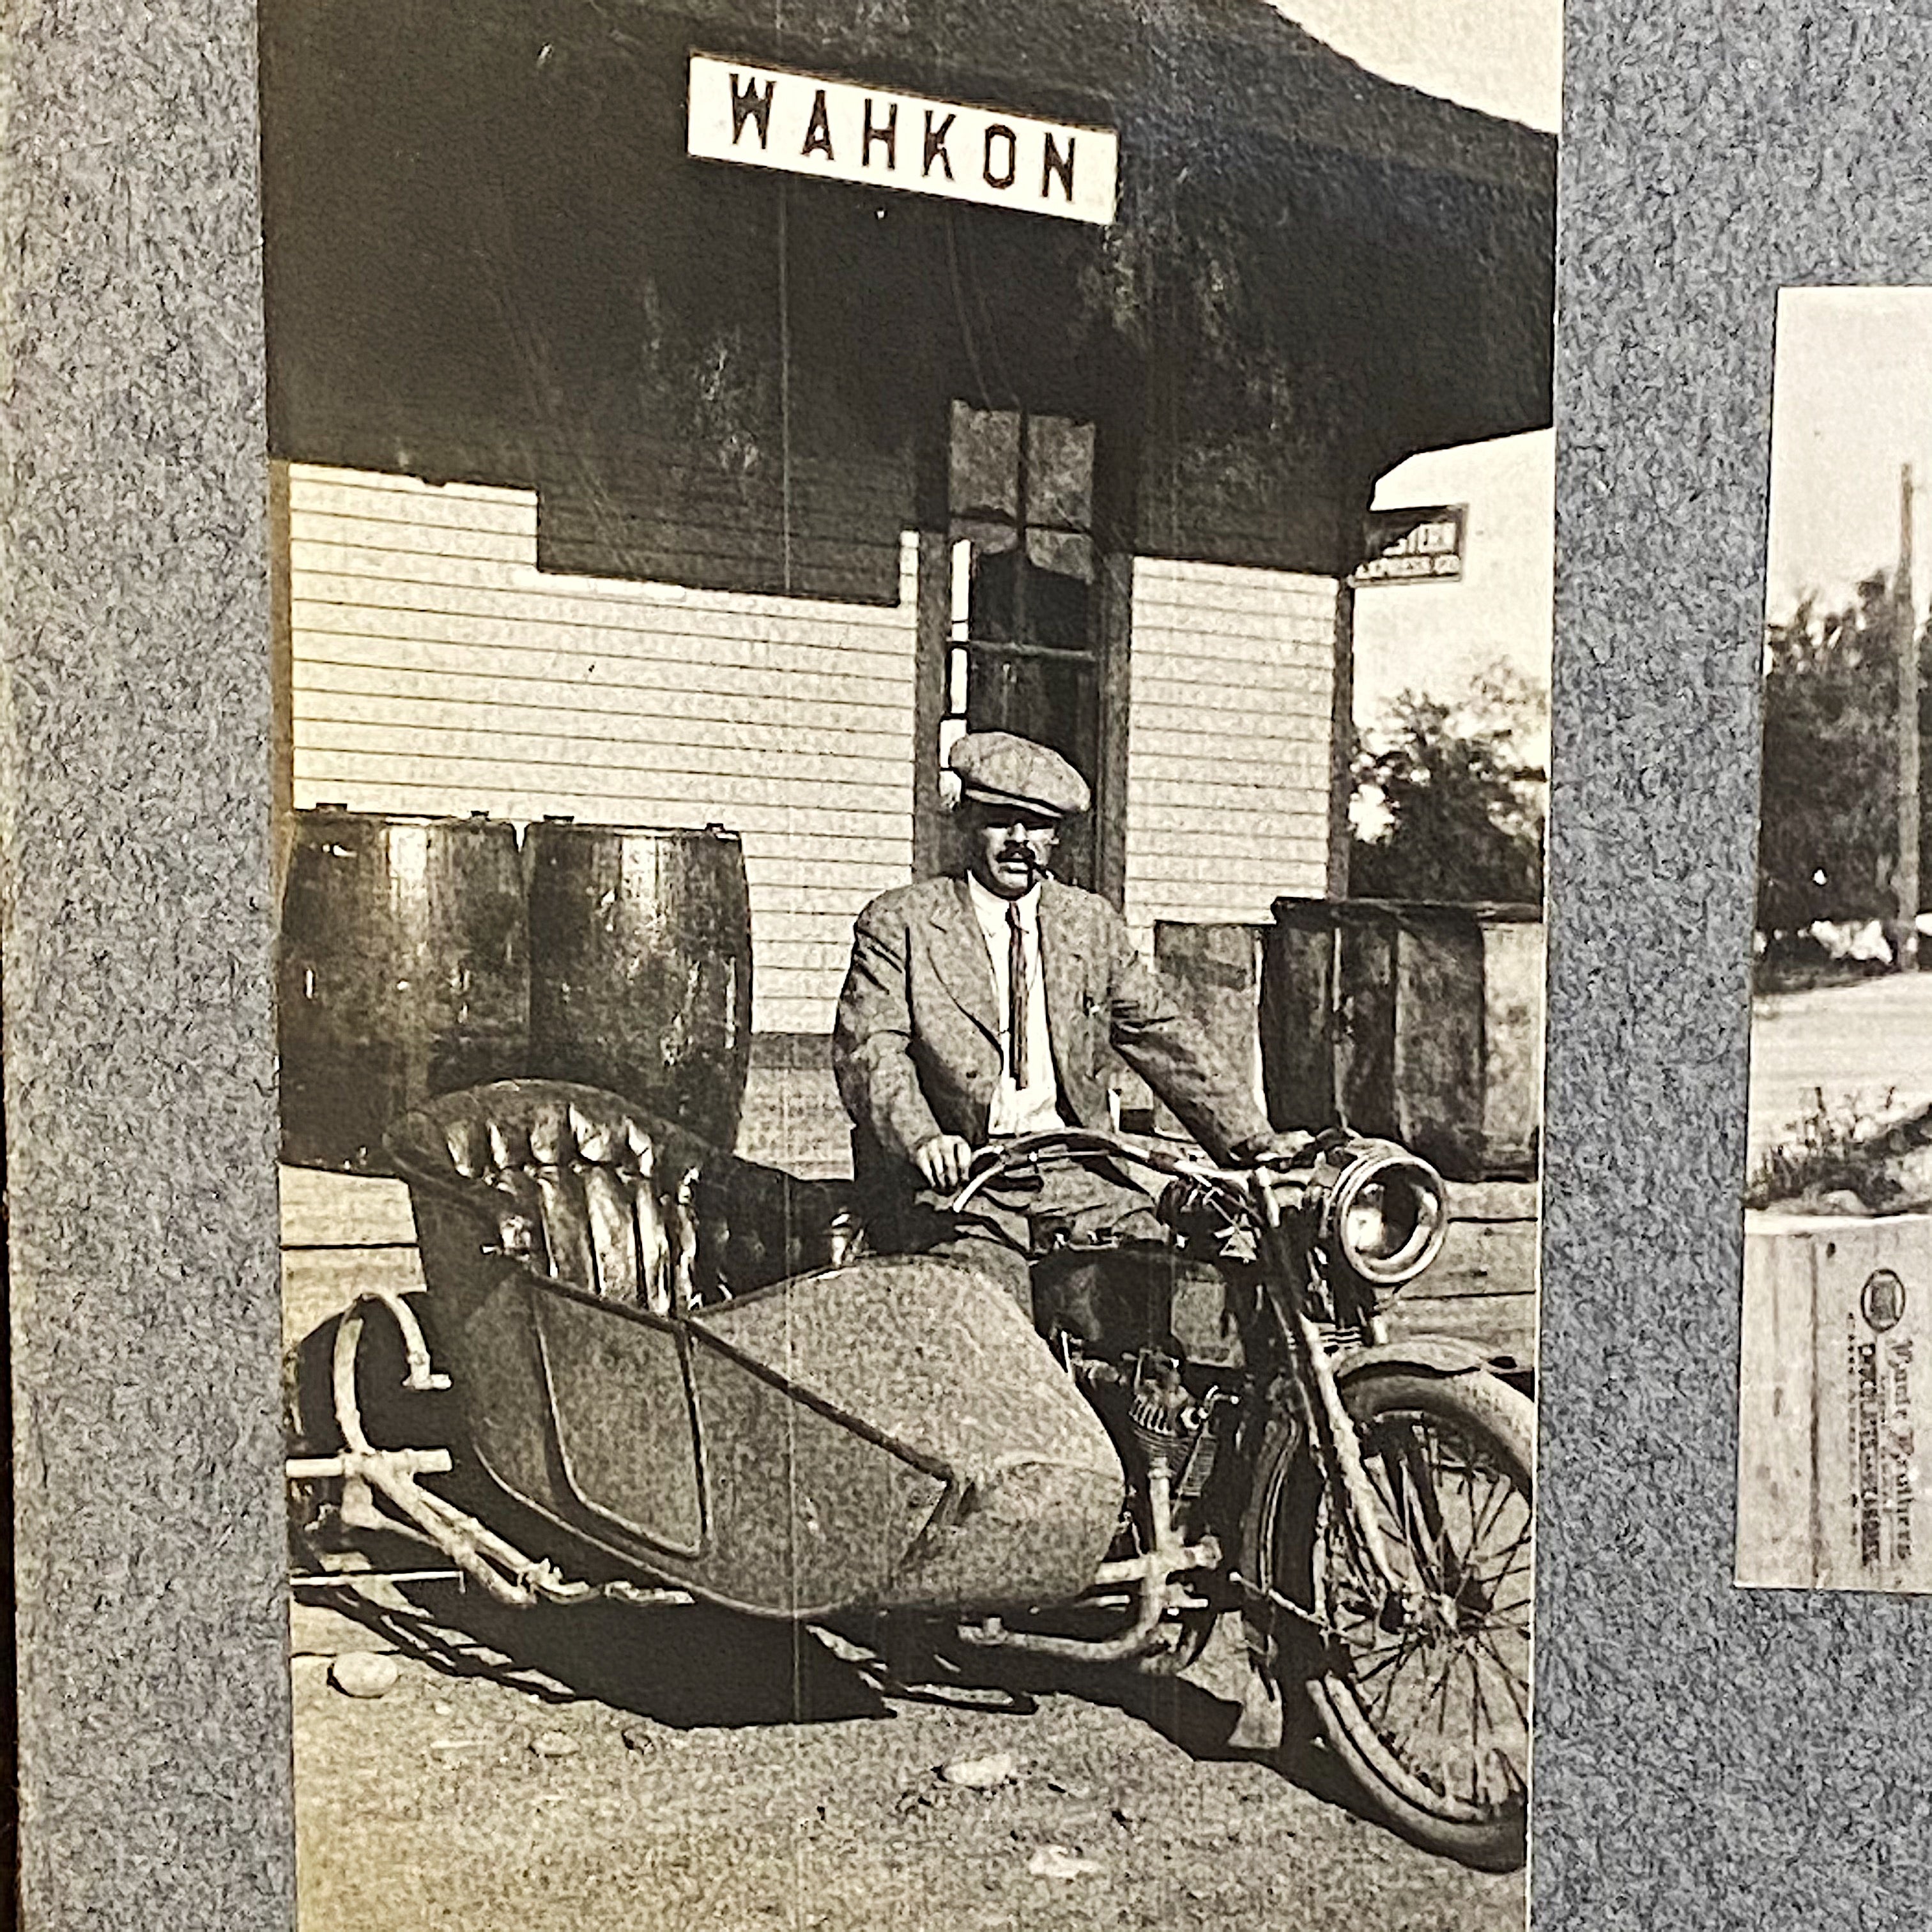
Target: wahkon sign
(802, 124)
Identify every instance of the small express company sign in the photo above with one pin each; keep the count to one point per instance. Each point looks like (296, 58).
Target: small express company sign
(1415, 546)
(802, 124)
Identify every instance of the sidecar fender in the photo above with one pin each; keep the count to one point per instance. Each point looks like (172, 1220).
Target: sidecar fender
(1425, 1354)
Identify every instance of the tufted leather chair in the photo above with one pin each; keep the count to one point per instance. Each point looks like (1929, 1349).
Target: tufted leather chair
(576, 1183)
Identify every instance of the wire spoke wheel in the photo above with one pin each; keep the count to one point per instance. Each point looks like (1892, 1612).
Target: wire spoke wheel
(1424, 1696)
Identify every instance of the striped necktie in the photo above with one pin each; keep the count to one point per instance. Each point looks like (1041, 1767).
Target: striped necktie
(1016, 995)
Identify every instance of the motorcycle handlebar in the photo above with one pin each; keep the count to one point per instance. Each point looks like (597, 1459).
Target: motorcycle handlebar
(1400, 1199)
(988, 1163)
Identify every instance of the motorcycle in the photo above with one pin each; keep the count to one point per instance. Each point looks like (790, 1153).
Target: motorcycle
(682, 1405)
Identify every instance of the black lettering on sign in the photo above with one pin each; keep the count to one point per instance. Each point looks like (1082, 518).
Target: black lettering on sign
(935, 145)
(748, 105)
(818, 129)
(1866, 1441)
(889, 134)
(1000, 130)
(1052, 162)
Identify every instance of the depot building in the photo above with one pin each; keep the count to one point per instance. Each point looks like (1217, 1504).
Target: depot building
(702, 415)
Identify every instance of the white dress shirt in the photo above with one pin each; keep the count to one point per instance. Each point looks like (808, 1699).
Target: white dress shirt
(1035, 1107)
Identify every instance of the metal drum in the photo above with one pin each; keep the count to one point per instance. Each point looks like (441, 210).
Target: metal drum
(641, 979)
(403, 973)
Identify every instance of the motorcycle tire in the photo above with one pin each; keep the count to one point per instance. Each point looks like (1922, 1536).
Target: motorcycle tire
(1381, 1693)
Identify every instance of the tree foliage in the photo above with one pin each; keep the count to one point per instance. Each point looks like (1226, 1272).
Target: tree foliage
(1456, 799)
(1828, 836)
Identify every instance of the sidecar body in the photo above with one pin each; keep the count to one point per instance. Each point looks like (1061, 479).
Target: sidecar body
(649, 1351)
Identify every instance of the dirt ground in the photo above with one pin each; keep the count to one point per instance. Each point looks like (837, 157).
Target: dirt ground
(644, 1768)
(1868, 1045)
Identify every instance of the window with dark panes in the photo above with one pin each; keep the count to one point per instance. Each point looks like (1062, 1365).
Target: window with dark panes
(1023, 651)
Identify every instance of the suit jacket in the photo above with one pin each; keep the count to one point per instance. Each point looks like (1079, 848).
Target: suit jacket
(916, 1045)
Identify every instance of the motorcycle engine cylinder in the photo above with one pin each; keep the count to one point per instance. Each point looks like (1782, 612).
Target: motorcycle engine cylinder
(1153, 1417)
(1195, 1463)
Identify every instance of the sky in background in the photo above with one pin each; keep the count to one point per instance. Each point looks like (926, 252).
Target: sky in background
(1851, 402)
(1436, 637)
(1504, 57)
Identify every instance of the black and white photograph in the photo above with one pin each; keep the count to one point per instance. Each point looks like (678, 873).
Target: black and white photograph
(1834, 1425)
(912, 653)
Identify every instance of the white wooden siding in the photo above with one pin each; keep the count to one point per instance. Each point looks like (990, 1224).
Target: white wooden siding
(1230, 727)
(435, 670)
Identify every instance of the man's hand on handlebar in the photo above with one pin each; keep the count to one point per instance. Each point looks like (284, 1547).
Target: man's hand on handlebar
(1278, 1150)
(945, 1162)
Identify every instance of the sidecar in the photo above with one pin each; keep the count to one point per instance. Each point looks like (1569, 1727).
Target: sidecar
(663, 1355)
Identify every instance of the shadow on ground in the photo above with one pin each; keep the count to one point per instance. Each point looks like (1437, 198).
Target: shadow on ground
(690, 1667)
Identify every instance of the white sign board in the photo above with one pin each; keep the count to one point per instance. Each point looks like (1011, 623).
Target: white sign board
(802, 124)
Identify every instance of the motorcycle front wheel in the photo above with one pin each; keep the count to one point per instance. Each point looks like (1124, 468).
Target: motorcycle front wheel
(1424, 1699)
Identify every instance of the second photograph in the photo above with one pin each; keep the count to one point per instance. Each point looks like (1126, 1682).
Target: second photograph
(1834, 1423)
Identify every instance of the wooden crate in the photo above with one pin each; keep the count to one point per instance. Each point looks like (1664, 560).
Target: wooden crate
(1421, 1022)
(1835, 1416)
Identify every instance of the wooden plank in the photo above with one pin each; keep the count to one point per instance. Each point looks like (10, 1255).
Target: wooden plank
(1777, 1397)
(321, 1209)
(1494, 1200)
(1198, 813)
(1182, 761)
(1294, 662)
(1496, 1325)
(1157, 686)
(858, 837)
(540, 616)
(319, 1282)
(587, 681)
(339, 574)
(1291, 715)
(793, 910)
(1156, 862)
(1485, 1258)
(855, 773)
(515, 640)
(524, 724)
(393, 756)
(417, 537)
(1185, 589)
(324, 483)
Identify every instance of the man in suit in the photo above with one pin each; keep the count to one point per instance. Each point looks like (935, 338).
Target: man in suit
(978, 1007)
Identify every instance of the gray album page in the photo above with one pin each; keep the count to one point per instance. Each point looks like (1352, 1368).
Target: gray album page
(1187, 420)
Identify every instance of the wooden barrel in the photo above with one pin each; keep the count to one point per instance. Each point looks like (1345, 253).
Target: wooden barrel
(640, 967)
(403, 973)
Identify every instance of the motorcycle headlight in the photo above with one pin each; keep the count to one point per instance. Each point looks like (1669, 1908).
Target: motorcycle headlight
(1387, 1213)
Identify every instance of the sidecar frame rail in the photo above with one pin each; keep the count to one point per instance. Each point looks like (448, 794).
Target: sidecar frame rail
(504, 1572)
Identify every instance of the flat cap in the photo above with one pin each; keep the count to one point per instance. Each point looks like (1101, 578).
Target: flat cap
(996, 768)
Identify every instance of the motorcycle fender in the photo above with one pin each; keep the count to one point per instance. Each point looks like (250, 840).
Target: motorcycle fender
(1425, 1354)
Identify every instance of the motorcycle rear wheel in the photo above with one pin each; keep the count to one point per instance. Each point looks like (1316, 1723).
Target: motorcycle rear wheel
(1428, 1712)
